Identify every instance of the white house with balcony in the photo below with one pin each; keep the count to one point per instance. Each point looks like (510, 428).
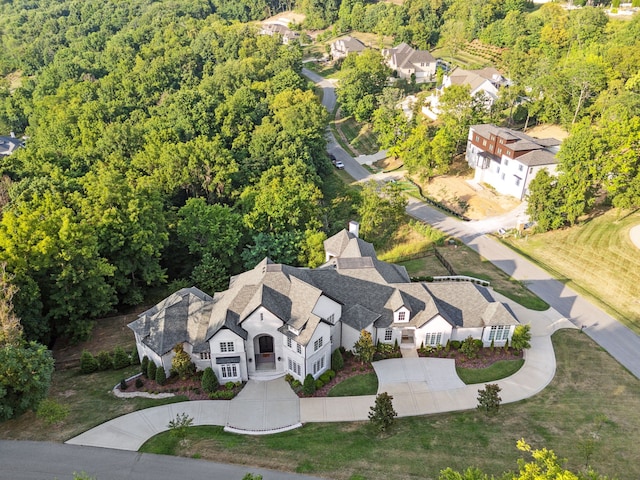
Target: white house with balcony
(507, 159)
(276, 319)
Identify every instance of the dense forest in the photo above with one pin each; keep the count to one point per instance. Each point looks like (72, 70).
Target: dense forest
(168, 143)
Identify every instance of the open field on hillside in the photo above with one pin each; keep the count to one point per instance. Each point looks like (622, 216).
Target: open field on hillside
(360, 136)
(591, 394)
(595, 258)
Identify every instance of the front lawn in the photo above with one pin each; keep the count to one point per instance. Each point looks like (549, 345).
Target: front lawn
(365, 384)
(497, 371)
(590, 393)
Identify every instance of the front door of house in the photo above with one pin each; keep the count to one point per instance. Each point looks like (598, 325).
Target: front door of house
(265, 356)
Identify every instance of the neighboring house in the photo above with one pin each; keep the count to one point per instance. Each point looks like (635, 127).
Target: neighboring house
(408, 61)
(344, 46)
(277, 29)
(486, 82)
(507, 159)
(8, 145)
(276, 319)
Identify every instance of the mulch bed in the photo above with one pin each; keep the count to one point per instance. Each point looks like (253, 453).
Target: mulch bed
(190, 388)
(485, 357)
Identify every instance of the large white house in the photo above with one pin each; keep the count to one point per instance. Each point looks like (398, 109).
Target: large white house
(346, 45)
(277, 319)
(507, 159)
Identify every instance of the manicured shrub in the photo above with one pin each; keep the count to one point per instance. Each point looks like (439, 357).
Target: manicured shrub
(327, 376)
(469, 348)
(296, 384)
(209, 381)
(455, 344)
(123, 384)
(521, 338)
(139, 383)
(134, 358)
(161, 376)
(229, 385)
(105, 362)
(337, 362)
(88, 363)
(319, 384)
(144, 365)
(151, 370)
(120, 358)
(288, 378)
(309, 385)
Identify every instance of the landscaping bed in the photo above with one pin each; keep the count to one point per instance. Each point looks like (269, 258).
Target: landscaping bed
(485, 357)
(190, 387)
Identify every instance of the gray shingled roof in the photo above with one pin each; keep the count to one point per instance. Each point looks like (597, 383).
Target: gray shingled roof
(357, 282)
(405, 55)
(536, 158)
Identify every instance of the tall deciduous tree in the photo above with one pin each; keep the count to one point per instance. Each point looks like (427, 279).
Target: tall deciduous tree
(381, 210)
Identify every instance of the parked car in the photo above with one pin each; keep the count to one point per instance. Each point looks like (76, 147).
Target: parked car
(339, 165)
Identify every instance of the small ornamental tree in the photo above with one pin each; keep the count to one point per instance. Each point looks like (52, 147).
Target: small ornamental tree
(88, 363)
(161, 376)
(144, 365)
(209, 380)
(181, 364)
(382, 414)
(151, 370)
(120, 358)
(178, 427)
(364, 348)
(521, 338)
(309, 385)
(469, 347)
(488, 399)
(337, 362)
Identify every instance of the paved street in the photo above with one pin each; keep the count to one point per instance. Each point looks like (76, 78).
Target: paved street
(49, 461)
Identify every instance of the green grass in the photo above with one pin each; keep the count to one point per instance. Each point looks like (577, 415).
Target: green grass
(365, 384)
(90, 403)
(589, 385)
(497, 371)
(596, 258)
(360, 136)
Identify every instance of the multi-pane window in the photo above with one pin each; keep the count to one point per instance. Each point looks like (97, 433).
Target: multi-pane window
(517, 182)
(506, 161)
(298, 348)
(331, 318)
(289, 342)
(499, 332)
(521, 167)
(388, 335)
(402, 315)
(433, 339)
(205, 355)
(229, 370)
(319, 365)
(294, 367)
(317, 344)
(226, 347)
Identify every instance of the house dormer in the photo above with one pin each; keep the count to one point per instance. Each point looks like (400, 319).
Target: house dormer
(402, 315)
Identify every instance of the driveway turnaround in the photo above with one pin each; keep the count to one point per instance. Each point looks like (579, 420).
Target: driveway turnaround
(419, 386)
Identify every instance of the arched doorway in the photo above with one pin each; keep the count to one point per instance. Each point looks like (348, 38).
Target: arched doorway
(264, 354)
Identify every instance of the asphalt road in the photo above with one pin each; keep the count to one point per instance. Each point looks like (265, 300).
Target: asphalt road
(49, 461)
(351, 166)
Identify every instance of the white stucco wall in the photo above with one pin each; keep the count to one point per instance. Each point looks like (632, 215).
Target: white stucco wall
(462, 333)
(263, 322)
(323, 330)
(396, 335)
(350, 336)
(436, 325)
(325, 307)
(226, 335)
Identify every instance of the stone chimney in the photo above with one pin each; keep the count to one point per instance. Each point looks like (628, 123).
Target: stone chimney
(354, 227)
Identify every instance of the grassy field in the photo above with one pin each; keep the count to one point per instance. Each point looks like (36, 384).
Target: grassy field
(365, 384)
(591, 393)
(596, 259)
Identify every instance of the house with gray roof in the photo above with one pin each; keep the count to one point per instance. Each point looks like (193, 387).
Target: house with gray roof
(277, 319)
(508, 159)
(346, 45)
(408, 62)
(10, 144)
